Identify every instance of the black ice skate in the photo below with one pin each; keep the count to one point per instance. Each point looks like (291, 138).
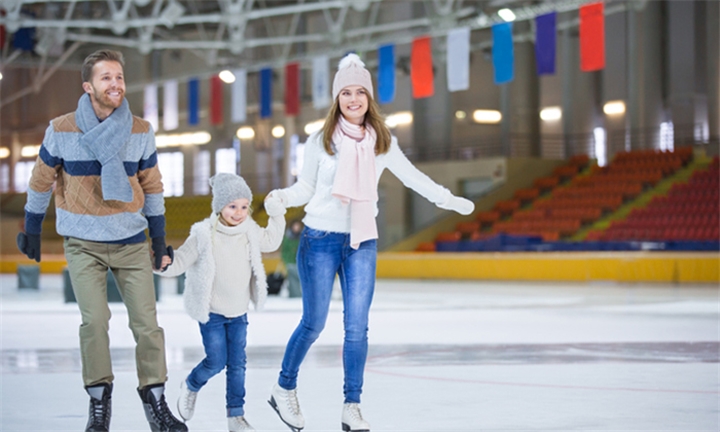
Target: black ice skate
(158, 414)
(100, 408)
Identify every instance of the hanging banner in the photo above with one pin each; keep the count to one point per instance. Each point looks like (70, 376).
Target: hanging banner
(386, 74)
(321, 82)
(458, 59)
(150, 106)
(545, 43)
(502, 53)
(216, 100)
(239, 96)
(592, 37)
(193, 101)
(292, 89)
(266, 93)
(170, 105)
(421, 68)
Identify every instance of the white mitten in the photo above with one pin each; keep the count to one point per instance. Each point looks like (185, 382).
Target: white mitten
(458, 204)
(279, 194)
(274, 206)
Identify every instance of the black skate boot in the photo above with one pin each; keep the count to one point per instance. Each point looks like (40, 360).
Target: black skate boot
(100, 408)
(158, 414)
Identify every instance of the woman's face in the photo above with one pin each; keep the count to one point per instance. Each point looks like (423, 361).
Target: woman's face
(353, 103)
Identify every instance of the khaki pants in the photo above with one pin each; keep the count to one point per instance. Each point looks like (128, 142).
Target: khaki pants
(88, 263)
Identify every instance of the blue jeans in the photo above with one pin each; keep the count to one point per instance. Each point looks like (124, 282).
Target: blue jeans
(320, 257)
(224, 341)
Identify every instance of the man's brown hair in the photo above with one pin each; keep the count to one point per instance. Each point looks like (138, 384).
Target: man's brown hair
(98, 56)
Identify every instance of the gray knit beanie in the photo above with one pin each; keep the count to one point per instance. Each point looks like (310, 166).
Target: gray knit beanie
(226, 188)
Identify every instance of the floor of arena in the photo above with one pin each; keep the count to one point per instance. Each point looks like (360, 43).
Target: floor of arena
(444, 356)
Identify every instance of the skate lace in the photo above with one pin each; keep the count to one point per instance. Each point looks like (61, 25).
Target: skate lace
(354, 411)
(189, 401)
(100, 412)
(164, 414)
(292, 401)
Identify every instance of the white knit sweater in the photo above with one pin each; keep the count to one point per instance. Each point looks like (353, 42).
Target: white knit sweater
(314, 186)
(221, 261)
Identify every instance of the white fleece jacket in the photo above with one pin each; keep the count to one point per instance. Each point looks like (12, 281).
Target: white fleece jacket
(314, 186)
(220, 262)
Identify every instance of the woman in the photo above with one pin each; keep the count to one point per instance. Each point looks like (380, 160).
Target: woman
(343, 163)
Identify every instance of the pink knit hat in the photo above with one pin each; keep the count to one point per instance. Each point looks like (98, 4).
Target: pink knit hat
(351, 71)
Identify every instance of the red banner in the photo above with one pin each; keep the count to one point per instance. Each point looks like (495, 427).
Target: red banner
(216, 100)
(292, 89)
(592, 37)
(421, 68)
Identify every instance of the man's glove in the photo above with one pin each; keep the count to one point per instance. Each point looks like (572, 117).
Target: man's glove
(159, 250)
(29, 244)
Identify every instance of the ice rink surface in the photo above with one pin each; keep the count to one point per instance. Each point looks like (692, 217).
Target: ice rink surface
(444, 356)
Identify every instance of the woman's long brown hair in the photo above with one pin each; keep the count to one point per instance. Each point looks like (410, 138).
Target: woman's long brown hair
(372, 118)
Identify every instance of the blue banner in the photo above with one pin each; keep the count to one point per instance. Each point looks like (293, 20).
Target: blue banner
(545, 35)
(193, 101)
(266, 93)
(502, 53)
(386, 74)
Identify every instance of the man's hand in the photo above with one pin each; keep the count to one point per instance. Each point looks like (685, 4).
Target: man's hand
(29, 244)
(162, 255)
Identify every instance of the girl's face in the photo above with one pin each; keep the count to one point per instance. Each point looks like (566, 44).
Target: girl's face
(235, 212)
(353, 103)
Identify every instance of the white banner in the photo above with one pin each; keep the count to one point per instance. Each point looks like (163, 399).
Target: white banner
(321, 82)
(170, 105)
(458, 59)
(150, 106)
(239, 96)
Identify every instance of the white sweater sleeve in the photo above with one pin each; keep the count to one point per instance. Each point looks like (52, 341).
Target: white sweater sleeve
(301, 192)
(413, 178)
(272, 235)
(185, 256)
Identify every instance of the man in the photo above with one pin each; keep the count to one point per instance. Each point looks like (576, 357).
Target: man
(108, 190)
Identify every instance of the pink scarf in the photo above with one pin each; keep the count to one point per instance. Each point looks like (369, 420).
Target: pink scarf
(355, 181)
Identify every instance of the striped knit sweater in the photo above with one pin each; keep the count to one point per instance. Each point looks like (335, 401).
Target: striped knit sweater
(81, 210)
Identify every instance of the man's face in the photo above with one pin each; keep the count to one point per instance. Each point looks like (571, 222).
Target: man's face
(106, 87)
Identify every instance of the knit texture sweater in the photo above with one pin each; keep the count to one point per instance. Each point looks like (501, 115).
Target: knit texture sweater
(80, 208)
(223, 265)
(314, 186)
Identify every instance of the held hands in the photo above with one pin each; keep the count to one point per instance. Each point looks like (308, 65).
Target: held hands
(458, 204)
(29, 244)
(274, 205)
(162, 256)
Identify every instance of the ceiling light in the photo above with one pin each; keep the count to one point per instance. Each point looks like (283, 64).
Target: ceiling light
(487, 116)
(507, 15)
(278, 131)
(397, 119)
(551, 113)
(246, 133)
(0, 75)
(4, 152)
(227, 77)
(314, 126)
(614, 108)
(460, 114)
(30, 150)
(181, 139)
(171, 14)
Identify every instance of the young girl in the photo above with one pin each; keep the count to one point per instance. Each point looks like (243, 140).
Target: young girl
(343, 163)
(224, 270)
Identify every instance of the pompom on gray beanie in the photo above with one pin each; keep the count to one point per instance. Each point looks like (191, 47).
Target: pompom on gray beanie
(226, 188)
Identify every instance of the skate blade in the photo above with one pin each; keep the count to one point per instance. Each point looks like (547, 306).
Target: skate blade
(273, 404)
(346, 428)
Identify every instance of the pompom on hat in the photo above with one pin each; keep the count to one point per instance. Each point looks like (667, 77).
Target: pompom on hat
(351, 71)
(226, 188)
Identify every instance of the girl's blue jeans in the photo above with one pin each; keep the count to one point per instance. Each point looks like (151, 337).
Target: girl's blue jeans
(320, 257)
(224, 341)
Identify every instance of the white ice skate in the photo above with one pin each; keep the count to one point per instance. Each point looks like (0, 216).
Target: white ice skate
(239, 424)
(352, 420)
(186, 402)
(286, 405)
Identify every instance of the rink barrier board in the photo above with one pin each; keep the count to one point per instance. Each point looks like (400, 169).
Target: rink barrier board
(686, 267)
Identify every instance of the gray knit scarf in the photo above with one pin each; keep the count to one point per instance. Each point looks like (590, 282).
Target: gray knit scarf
(105, 140)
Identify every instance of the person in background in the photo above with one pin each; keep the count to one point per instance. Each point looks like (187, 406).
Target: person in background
(108, 191)
(339, 179)
(223, 264)
(288, 252)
